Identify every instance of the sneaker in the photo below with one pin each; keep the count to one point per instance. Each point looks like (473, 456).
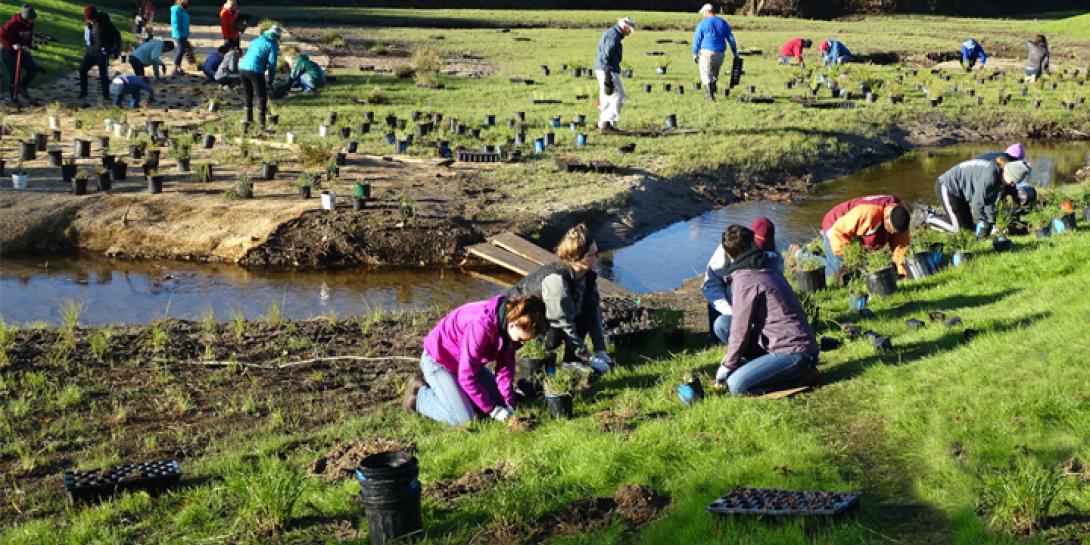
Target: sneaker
(412, 388)
(577, 367)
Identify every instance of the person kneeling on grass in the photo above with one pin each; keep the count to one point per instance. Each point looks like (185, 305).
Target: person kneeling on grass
(304, 72)
(573, 305)
(833, 52)
(456, 383)
(716, 287)
(133, 86)
(876, 221)
(772, 345)
(970, 190)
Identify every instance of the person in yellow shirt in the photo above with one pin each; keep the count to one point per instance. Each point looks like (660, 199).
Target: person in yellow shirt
(876, 221)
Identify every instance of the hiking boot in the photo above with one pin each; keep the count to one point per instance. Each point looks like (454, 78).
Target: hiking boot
(811, 378)
(412, 388)
(608, 128)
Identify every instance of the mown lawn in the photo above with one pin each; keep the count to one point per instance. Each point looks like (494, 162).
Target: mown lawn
(951, 441)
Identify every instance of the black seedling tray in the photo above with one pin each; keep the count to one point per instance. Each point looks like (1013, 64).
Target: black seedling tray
(775, 502)
(623, 337)
(547, 101)
(601, 166)
(756, 99)
(477, 157)
(96, 484)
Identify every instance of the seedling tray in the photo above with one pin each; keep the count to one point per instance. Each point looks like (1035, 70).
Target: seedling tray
(477, 157)
(756, 99)
(783, 503)
(96, 484)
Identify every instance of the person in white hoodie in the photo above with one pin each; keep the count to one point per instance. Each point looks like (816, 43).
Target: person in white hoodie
(716, 287)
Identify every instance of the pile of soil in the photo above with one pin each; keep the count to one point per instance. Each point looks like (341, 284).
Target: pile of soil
(342, 460)
(470, 483)
(635, 505)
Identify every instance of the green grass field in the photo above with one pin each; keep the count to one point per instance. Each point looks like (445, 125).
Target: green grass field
(951, 441)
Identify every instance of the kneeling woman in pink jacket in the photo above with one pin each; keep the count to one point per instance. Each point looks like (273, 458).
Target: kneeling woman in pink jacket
(458, 384)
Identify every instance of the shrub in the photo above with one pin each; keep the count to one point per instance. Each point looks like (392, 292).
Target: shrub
(375, 95)
(1020, 497)
(403, 71)
(428, 58)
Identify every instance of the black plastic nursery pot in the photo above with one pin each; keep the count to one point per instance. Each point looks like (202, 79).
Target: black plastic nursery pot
(108, 161)
(103, 143)
(155, 184)
(208, 141)
(919, 265)
(3, 163)
(183, 164)
(42, 140)
(559, 405)
(358, 203)
(54, 157)
(346, 132)
(136, 151)
(304, 192)
(79, 186)
(364, 128)
(882, 283)
(1002, 244)
(154, 126)
(528, 367)
(671, 121)
(104, 181)
(154, 155)
(119, 170)
(28, 151)
(810, 281)
(352, 147)
(390, 493)
(83, 148)
(331, 118)
(68, 172)
(268, 171)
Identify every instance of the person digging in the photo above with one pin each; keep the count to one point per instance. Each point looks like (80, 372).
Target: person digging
(133, 87)
(17, 36)
(607, 68)
(876, 221)
(260, 58)
(709, 48)
(970, 190)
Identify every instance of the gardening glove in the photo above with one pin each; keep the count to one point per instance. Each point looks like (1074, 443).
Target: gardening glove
(721, 375)
(17, 47)
(722, 307)
(598, 363)
(500, 413)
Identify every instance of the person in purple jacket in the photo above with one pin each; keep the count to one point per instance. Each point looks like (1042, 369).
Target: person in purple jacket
(772, 346)
(456, 384)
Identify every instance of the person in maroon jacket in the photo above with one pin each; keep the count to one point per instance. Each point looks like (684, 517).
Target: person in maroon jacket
(793, 50)
(17, 36)
(772, 346)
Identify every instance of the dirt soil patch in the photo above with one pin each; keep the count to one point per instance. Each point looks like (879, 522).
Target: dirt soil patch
(635, 505)
(471, 483)
(343, 459)
(360, 53)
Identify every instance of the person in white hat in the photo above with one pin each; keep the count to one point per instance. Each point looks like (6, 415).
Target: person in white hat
(607, 67)
(710, 46)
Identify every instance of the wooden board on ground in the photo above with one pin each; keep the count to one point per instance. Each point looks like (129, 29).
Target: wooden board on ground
(522, 247)
(780, 394)
(503, 258)
(654, 132)
(521, 256)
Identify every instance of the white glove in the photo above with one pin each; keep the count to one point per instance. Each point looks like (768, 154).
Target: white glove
(721, 375)
(17, 47)
(500, 413)
(598, 364)
(605, 356)
(722, 307)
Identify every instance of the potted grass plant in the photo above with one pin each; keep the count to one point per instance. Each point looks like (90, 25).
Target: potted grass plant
(558, 393)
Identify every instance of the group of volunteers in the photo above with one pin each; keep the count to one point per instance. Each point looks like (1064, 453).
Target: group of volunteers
(710, 41)
(752, 309)
(227, 66)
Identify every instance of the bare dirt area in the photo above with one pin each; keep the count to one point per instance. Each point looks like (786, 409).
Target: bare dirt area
(343, 459)
(349, 48)
(178, 388)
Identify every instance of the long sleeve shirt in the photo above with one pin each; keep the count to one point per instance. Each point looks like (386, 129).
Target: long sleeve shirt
(610, 50)
(971, 50)
(835, 52)
(863, 219)
(261, 56)
(767, 316)
(713, 34)
(179, 22)
(229, 66)
(469, 337)
(792, 48)
(1038, 58)
(978, 182)
(148, 53)
(17, 31)
(716, 286)
(132, 86)
(228, 18)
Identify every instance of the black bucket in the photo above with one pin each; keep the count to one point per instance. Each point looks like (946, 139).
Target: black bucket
(736, 71)
(560, 406)
(528, 367)
(810, 281)
(390, 492)
(671, 121)
(919, 265)
(882, 283)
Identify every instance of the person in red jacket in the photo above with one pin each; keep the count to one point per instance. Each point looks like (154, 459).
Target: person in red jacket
(793, 50)
(229, 23)
(876, 221)
(17, 36)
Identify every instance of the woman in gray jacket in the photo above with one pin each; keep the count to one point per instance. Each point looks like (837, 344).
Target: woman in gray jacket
(1037, 61)
(970, 190)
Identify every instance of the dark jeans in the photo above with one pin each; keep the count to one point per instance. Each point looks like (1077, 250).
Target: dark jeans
(254, 83)
(771, 372)
(27, 69)
(958, 214)
(184, 49)
(91, 60)
(556, 336)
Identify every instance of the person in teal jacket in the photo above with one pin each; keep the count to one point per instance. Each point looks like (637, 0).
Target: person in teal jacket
(260, 57)
(304, 72)
(179, 30)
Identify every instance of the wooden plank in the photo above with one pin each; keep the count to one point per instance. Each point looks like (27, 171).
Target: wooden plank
(780, 394)
(503, 258)
(522, 247)
(487, 278)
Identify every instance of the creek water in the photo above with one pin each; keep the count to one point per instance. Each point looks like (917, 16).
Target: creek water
(125, 292)
(666, 258)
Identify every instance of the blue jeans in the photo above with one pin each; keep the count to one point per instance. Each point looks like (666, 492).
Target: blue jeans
(307, 83)
(1032, 72)
(833, 262)
(719, 325)
(443, 399)
(118, 92)
(770, 372)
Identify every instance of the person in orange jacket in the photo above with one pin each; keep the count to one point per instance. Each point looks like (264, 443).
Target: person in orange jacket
(876, 221)
(229, 27)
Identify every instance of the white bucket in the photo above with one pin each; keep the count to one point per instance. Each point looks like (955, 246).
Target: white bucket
(54, 123)
(329, 200)
(110, 124)
(119, 129)
(128, 133)
(289, 137)
(19, 181)
(323, 131)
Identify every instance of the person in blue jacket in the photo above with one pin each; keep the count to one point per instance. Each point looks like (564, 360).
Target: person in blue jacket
(834, 52)
(179, 30)
(133, 86)
(709, 47)
(971, 52)
(260, 58)
(607, 68)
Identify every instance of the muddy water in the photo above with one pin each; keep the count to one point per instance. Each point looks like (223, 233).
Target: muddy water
(121, 292)
(664, 259)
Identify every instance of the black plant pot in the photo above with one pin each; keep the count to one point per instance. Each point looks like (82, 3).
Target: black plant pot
(28, 150)
(352, 146)
(810, 281)
(83, 148)
(364, 128)
(103, 143)
(369, 117)
(54, 157)
(560, 406)
(919, 265)
(671, 121)
(104, 182)
(108, 161)
(79, 187)
(120, 170)
(331, 118)
(346, 132)
(268, 171)
(68, 172)
(1002, 244)
(136, 151)
(882, 283)
(155, 184)
(274, 119)
(153, 156)
(341, 159)
(304, 192)
(358, 203)
(183, 164)
(209, 141)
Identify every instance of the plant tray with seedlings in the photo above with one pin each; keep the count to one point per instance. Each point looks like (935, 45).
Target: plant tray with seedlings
(525, 81)
(571, 164)
(601, 166)
(619, 310)
(547, 101)
(477, 157)
(752, 99)
(96, 484)
(775, 502)
(655, 53)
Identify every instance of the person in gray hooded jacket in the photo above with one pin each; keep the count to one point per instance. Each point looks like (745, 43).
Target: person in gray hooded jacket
(970, 190)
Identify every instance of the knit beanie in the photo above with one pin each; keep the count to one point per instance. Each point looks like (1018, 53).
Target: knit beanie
(90, 13)
(28, 12)
(1017, 171)
(1016, 151)
(764, 234)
